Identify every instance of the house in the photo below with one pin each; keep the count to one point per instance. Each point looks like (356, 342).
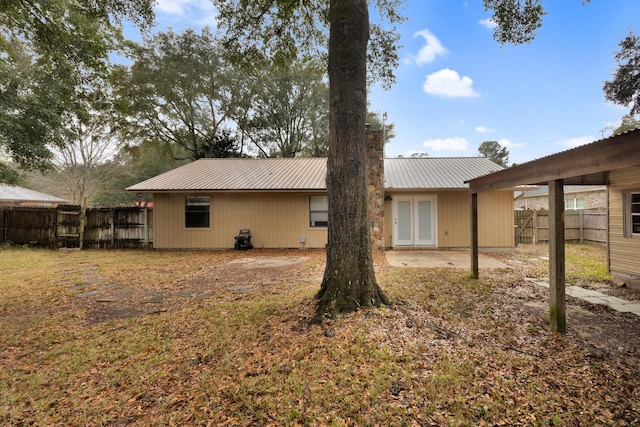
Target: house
(613, 162)
(576, 197)
(414, 202)
(11, 195)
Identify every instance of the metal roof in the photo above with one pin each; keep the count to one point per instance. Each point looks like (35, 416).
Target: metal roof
(435, 172)
(13, 193)
(543, 190)
(241, 174)
(309, 174)
(588, 164)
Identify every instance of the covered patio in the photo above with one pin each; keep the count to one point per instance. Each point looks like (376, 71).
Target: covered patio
(590, 164)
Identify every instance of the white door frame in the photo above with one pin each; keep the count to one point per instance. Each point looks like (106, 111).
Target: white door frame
(406, 220)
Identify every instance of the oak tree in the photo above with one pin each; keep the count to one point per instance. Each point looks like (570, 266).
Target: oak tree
(53, 52)
(624, 88)
(179, 90)
(286, 29)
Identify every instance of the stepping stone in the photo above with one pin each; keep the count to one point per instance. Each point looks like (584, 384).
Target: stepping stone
(89, 294)
(203, 296)
(114, 298)
(270, 283)
(94, 281)
(78, 287)
(111, 286)
(242, 289)
(187, 293)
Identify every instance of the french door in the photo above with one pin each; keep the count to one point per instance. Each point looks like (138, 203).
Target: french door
(414, 220)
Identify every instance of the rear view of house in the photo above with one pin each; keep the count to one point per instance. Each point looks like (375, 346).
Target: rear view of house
(414, 202)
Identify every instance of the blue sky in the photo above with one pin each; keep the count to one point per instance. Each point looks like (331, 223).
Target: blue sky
(456, 87)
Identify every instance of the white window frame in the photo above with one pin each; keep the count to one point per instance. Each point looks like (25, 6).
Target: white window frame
(318, 211)
(574, 203)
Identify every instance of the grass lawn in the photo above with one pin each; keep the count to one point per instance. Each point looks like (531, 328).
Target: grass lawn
(120, 338)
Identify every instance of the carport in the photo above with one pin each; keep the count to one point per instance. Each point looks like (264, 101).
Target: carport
(586, 165)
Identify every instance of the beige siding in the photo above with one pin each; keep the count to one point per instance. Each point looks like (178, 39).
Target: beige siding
(624, 252)
(279, 220)
(276, 220)
(454, 219)
(495, 218)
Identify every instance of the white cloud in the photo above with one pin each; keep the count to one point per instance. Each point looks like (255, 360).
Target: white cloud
(172, 7)
(202, 12)
(576, 142)
(447, 144)
(482, 129)
(431, 50)
(508, 144)
(448, 84)
(488, 23)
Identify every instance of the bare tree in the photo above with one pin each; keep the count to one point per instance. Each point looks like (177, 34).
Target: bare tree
(82, 164)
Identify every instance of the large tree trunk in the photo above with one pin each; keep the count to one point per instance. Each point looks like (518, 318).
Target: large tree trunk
(349, 280)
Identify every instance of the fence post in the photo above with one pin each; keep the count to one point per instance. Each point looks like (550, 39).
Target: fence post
(535, 227)
(3, 213)
(145, 213)
(112, 214)
(5, 225)
(83, 221)
(581, 227)
(53, 229)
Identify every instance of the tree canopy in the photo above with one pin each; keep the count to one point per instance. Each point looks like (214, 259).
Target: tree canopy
(495, 152)
(287, 109)
(53, 55)
(179, 90)
(624, 88)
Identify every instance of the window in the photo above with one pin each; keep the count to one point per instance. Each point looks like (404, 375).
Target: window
(318, 211)
(631, 212)
(196, 212)
(574, 204)
(635, 213)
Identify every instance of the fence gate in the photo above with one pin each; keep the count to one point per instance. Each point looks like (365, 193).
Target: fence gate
(67, 226)
(525, 227)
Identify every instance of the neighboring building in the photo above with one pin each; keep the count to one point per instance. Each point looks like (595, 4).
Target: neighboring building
(17, 196)
(576, 197)
(414, 202)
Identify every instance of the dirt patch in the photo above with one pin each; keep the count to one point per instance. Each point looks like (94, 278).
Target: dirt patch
(602, 330)
(212, 277)
(269, 261)
(218, 276)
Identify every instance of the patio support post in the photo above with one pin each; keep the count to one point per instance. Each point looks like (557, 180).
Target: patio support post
(557, 309)
(474, 235)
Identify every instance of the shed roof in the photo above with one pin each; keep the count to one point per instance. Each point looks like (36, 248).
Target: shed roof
(12, 193)
(543, 190)
(584, 165)
(278, 174)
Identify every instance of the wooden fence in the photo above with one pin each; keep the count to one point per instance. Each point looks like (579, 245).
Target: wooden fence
(68, 227)
(580, 226)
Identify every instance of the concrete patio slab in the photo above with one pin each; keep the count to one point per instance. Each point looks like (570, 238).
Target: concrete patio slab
(434, 258)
